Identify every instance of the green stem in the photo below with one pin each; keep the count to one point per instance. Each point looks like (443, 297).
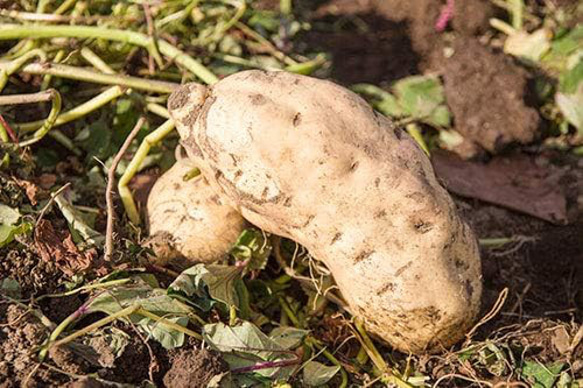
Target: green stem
(134, 166)
(95, 61)
(111, 283)
(79, 111)
(415, 133)
(88, 329)
(495, 242)
(15, 31)
(49, 121)
(64, 7)
(369, 346)
(169, 324)
(59, 137)
(308, 67)
(289, 312)
(16, 64)
(331, 358)
(502, 26)
(285, 7)
(517, 14)
(79, 74)
(158, 110)
(47, 77)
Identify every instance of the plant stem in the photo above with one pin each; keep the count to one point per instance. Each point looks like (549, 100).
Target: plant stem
(49, 121)
(88, 287)
(158, 110)
(95, 61)
(16, 64)
(131, 170)
(79, 111)
(168, 323)
(415, 133)
(15, 31)
(109, 189)
(80, 74)
(102, 322)
(517, 14)
(502, 26)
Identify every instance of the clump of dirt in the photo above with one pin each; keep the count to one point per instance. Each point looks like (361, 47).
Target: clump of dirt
(133, 365)
(379, 41)
(486, 94)
(193, 368)
(20, 337)
(35, 276)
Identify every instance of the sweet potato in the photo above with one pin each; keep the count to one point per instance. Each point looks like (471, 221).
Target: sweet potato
(188, 222)
(311, 161)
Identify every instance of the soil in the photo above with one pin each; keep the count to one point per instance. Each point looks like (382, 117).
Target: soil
(379, 41)
(496, 116)
(375, 41)
(194, 368)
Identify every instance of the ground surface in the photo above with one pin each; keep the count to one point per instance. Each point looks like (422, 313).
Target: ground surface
(374, 42)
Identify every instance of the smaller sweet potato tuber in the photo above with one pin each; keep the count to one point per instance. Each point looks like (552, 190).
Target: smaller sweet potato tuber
(188, 222)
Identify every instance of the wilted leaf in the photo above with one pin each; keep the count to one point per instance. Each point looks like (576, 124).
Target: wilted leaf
(78, 221)
(528, 46)
(168, 338)
(541, 376)
(58, 247)
(316, 374)
(203, 282)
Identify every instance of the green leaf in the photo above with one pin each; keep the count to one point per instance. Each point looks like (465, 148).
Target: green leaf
(11, 288)
(316, 374)
(154, 300)
(541, 376)
(8, 233)
(8, 215)
(571, 79)
(95, 139)
(203, 282)
(245, 345)
(571, 105)
(254, 247)
(383, 101)
(269, 20)
(422, 98)
(167, 337)
(569, 42)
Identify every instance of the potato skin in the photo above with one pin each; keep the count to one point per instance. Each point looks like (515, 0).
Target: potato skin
(310, 160)
(188, 221)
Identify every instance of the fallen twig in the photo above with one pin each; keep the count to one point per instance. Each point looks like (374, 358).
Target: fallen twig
(109, 189)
